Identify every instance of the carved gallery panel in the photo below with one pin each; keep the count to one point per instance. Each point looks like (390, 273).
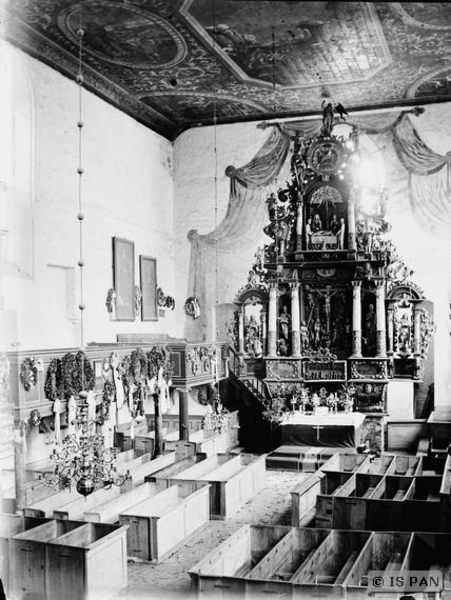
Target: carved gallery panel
(148, 275)
(124, 278)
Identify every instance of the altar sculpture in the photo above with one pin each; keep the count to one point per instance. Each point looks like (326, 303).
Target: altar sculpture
(337, 306)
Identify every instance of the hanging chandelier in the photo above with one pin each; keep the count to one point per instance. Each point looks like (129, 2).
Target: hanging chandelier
(82, 458)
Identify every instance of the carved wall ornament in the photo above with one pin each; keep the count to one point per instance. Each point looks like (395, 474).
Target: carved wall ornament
(35, 418)
(29, 373)
(138, 300)
(192, 307)
(110, 301)
(364, 369)
(193, 357)
(170, 302)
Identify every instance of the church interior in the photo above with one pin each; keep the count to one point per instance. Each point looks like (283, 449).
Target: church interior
(224, 268)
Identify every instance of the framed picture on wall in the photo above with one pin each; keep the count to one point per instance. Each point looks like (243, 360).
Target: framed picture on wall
(124, 278)
(148, 274)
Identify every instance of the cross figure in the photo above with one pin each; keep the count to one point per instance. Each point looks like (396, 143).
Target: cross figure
(317, 427)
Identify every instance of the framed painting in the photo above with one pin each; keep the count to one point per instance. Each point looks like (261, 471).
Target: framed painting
(148, 274)
(124, 278)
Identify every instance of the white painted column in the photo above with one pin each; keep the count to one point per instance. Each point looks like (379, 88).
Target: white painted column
(299, 226)
(272, 321)
(351, 222)
(241, 330)
(295, 321)
(381, 320)
(356, 319)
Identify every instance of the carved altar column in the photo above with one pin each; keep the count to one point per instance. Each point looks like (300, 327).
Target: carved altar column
(241, 330)
(381, 347)
(299, 225)
(390, 330)
(351, 222)
(263, 322)
(295, 321)
(356, 319)
(417, 330)
(20, 434)
(272, 321)
(183, 414)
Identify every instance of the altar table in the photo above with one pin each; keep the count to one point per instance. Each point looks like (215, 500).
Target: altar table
(331, 429)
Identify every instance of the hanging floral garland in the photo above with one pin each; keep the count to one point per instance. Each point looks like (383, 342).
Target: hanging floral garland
(29, 373)
(139, 370)
(68, 376)
(53, 382)
(124, 373)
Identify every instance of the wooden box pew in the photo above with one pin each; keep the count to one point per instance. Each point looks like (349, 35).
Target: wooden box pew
(35, 488)
(378, 466)
(28, 556)
(87, 563)
(345, 462)
(445, 488)
(109, 511)
(408, 466)
(359, 511)
(303, 499)
(145, 440)
(139, 473)
(234, 479)
(132, 458)
(207, 441)
(162, 522)
(303, 496)
(11, 525)
(75, 508)
(283, 561)
(122, 435)
(46, 506)
(175, 467)
(229, 563)
(347, 507)
(378, 552)
(427, 488)
(430, 551)
(334, 558)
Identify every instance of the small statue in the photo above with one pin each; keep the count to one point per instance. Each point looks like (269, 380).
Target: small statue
(308, 233)
(341, 234)
(328, 117)
(317, 224)
(305, 344)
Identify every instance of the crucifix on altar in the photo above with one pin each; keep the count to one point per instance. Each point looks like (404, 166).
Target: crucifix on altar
(317, 427)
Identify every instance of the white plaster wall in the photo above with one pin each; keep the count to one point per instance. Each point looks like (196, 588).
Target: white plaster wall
(200, 156)
(195, 193)
(127, 191)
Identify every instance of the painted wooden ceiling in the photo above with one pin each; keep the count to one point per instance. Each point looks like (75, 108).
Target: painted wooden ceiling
(183, 63)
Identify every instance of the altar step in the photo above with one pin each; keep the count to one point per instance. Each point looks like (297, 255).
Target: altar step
(305, 459)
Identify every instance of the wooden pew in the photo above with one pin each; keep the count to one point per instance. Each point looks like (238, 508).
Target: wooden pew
(109, 511)
(75, 509)
(160, 523)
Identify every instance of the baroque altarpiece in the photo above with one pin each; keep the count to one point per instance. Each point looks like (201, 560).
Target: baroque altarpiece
(329, 315)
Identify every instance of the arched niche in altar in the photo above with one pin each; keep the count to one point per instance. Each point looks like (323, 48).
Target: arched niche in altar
(284, 325)
(369, 323)
(326, 214)
(252, 312)
(410, 330)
